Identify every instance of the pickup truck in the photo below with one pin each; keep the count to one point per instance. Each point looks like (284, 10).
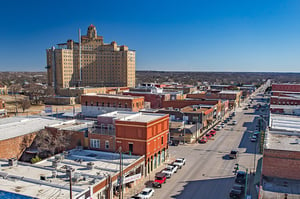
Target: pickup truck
(179, 162)
(169, 171)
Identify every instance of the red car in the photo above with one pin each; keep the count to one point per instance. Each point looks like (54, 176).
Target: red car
(208, 136)
(212, 132)
(203, 140)
(160, 178)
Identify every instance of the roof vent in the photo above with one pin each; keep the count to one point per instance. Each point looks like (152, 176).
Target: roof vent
(12, 162)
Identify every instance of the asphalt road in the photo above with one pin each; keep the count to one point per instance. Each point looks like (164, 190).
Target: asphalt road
(208, 172)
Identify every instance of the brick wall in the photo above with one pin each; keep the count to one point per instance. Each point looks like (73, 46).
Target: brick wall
(103, 139)
(286, 87)
(14, 147)
(281, 164)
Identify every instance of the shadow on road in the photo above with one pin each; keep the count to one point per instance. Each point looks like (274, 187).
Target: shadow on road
(210, 188)
(251, 147)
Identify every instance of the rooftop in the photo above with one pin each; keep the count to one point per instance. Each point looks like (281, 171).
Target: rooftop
(229, 92)
(143, 117)
(280, 140)
(285, 123)
(26, 178)
(113, 96)
(18, 126)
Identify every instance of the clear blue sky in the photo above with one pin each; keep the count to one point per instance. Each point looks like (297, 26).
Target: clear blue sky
(207, 35)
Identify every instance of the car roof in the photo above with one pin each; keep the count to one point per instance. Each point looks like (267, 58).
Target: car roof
(147, 189)
(241, 172)
(160, 175)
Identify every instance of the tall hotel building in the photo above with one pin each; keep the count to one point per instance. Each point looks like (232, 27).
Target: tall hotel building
(90, 62)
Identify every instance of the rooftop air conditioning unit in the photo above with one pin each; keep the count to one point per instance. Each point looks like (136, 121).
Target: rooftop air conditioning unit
(12, 162)
(55, 163)
(176, 109)
(90, 165)
(54, 173)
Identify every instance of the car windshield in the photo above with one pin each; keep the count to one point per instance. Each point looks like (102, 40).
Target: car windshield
(233, 152)
(158, 178)
(145, 192)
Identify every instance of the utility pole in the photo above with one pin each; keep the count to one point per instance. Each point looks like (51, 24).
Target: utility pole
(121, 180)
(246, 185)
(69, 173)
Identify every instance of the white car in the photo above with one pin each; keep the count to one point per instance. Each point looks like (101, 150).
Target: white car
(175, 167)
(169, 171)
(179, 162)
(146, 193)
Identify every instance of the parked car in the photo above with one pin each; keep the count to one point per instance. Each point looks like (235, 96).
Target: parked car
(233, 154)
(246, 108)
(240, 177)
(234, 193)
(233, 114)
(225, 121)
(217, 128)
(222, 125)
(204, 139)
(212, 132)
(179, 162)
(175, 167)
(239, 187)
(135, 197)
(174, 142)
(253, 138)
(169, 171)
(234, 122)
(160, 178)
(256, 133)
(146, 193)
(208, 136)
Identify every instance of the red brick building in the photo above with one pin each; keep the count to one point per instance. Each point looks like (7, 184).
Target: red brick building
(93, 105)
(281, 155)
(144, 134)
(286, 87)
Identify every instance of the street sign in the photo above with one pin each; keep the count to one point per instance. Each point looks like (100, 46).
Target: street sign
(132, 178)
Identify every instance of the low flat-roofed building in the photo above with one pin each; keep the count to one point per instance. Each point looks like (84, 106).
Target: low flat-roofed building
(94, 175)
(18, 133)
(281, 157)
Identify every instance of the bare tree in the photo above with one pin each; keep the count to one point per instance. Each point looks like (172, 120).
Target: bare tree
(50, 143)
(25, 104)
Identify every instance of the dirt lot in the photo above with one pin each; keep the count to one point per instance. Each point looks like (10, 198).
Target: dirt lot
(12, 101)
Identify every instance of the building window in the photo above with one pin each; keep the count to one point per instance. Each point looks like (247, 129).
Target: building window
(120, 105)
(125, 105)
(106, 144)
(130, 148)
(102, 103)
(86, 103)
(95, 143)
(108, 104)
(97, 103)
(162, 140)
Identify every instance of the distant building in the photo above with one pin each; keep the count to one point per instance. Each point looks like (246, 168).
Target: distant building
(93, 105)
(99, 64)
